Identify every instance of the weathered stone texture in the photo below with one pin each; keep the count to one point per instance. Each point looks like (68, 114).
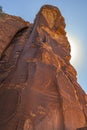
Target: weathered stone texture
(38, 85)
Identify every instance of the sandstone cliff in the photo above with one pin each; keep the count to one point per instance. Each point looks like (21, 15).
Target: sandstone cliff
(38, 85)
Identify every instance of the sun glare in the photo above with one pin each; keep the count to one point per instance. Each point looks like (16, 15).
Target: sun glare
(76, 51)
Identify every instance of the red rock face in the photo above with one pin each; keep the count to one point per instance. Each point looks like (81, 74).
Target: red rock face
(38, 85)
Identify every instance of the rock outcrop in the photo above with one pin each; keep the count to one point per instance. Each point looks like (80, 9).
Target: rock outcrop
(38, 85)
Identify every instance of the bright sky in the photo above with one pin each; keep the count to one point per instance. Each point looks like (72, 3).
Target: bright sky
(75, 14)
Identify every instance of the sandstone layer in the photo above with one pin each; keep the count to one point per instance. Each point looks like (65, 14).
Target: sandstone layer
(38, 85)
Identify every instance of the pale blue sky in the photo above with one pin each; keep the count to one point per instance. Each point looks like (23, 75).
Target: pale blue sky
(75, 14)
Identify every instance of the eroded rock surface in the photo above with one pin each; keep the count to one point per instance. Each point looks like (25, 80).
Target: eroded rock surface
(38, 85)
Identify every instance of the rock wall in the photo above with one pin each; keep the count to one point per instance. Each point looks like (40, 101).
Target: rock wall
(38, 85)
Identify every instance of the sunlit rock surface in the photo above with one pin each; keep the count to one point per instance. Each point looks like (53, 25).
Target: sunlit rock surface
(38, 85)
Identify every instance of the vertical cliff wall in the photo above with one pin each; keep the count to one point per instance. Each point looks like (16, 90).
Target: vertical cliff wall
(38, 85)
